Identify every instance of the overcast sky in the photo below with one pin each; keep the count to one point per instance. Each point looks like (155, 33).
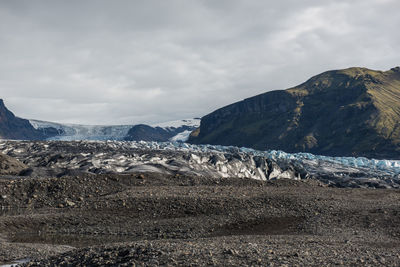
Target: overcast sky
(131, 61)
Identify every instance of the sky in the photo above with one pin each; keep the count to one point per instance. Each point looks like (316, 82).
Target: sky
(131, 61)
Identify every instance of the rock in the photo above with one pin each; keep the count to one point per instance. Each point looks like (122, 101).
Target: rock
(395, 69)
(70, 203)
(10, 166)
(230, 252)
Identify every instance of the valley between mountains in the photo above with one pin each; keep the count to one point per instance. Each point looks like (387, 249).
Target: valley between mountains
(307, 176)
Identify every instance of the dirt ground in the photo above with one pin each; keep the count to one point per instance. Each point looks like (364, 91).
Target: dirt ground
(156, 219)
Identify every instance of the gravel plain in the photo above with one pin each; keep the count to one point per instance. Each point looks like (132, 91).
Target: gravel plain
(149, 219)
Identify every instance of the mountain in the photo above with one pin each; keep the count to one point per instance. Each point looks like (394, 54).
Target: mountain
(12, 127)
(350, 112)
(168, 131)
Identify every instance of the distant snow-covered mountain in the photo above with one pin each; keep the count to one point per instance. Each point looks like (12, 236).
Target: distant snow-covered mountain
(177, 131)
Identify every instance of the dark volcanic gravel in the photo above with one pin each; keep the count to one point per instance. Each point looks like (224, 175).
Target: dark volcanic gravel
(10, 166)
(154, 219)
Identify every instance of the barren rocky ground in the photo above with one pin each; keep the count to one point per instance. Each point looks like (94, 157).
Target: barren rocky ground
(152, 219)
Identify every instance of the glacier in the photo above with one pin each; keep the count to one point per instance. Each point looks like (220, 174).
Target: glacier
(181, 137)
(58, 158)
(77, 132)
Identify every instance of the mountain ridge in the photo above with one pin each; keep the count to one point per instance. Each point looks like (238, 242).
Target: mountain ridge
(12, 127)
(349, 112)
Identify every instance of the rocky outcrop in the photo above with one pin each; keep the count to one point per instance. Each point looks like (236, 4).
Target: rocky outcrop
(12, 127)
(11, 166)
(351, 112)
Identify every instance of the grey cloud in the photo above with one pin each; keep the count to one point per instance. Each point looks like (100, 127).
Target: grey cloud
(123, 61)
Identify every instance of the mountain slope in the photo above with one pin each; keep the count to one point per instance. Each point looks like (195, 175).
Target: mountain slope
(351, 112)
(169, 131)
(12, 127)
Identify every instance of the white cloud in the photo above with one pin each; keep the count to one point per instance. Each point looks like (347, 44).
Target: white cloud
(148, 61)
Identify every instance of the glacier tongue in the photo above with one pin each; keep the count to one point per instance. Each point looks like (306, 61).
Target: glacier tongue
(57, 158)
(71, 132)
(77, 132)
(181, 137)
